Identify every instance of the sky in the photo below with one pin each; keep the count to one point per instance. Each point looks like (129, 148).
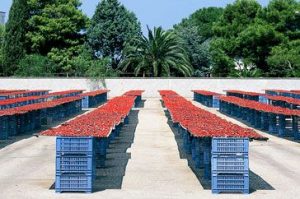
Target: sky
(163, 13)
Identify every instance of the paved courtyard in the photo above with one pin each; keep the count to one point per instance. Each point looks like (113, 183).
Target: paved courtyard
(146, 161)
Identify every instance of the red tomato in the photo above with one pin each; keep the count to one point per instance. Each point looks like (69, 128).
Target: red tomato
(98, 123)
(201, 123)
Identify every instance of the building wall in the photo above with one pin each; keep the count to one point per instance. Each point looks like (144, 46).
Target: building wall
(119, 86)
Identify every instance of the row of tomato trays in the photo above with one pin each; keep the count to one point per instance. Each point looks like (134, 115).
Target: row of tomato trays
(226, 160)
(97, 123)
(38, 106)
(199, 122)
(38, 99)
(22, 93)
(95, 93)
(285, 99)
(267, 108)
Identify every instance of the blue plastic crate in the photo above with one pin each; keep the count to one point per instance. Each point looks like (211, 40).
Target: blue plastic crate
(73, 163)
(3, 97)
(230, 145)
(74, 145)
(230, 183)
(216, 105)
(74, 183)
(101, 146)
(263, 99)
(4, 128)
(12, 125)
(230, 163)
(85, 102)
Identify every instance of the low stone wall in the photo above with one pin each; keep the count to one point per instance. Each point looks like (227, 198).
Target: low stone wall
(119, 85)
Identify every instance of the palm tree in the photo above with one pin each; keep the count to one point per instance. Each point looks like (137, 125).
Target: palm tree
(158, 54)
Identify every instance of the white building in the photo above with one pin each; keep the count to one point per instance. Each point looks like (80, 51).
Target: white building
(2, 17)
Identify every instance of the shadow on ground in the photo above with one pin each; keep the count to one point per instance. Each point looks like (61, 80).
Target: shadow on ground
(256, 182)
(13, 139)
(141, 104)
(111, 176)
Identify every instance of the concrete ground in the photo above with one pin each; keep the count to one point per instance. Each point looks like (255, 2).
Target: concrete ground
(146, 162)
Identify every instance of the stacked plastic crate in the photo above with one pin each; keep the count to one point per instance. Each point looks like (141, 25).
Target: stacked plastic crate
(4, 127)
(263, 99)
(94, 98)
(230, 165)
(216, 101)
(207, 98)
(75, 167)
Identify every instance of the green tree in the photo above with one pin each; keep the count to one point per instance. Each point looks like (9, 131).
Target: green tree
(85, 65)
(112, 25)
(285, 60)
(2, 32)
(35, 66)
(203, 19)
(160, 54)
(236, 17)
(15, 39)
(196, 33)
(101, 68)
(197, 49)
(232, 32)
(82, 62)
(221, 62)
(55, 30)
(255, 43)
(284, 16)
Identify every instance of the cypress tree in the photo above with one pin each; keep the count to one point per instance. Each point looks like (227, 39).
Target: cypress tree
(112, 25)
(15, 31)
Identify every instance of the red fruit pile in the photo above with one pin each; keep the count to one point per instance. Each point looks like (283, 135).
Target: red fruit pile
(134, 93)
(295, 91)
(98, 123)
(245, 93)
(20, 100)
(288, 100)
(206, 93)
(201, 123)
(267, 108)
(94, 93)
(10, 91)
(64, 93)
(36, 99)
(168, 93)
(20, 93)
(38, 106)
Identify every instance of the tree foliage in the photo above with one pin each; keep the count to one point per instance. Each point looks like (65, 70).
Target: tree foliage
(203, 19)
(15, 35)
(161, 54)
(197, 49)
(196, 33)
(210, 41)
(35, 66)
(112, 25)
(250, 32)
(255, 44)
(284, 16)
(85, 65)
(2, 32)
(285, 60)
(101, 68)
(55, 30)
(236, 17)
